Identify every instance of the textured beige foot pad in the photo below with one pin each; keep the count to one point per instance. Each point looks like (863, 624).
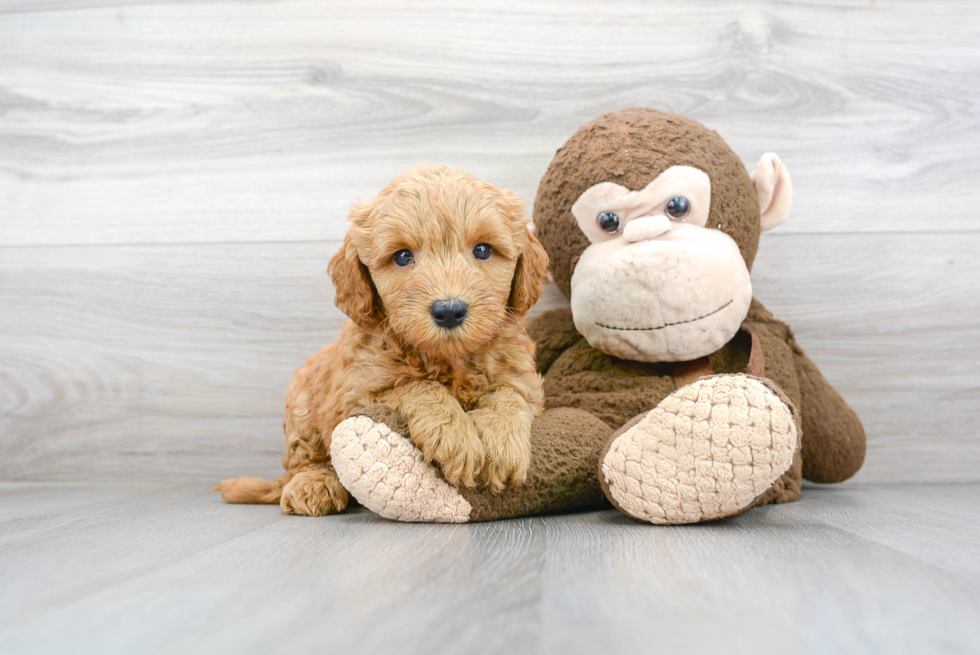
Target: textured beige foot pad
(386, 473)
(706, 452)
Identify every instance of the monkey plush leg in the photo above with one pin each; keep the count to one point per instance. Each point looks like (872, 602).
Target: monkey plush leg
(707, 451)
(385, 472)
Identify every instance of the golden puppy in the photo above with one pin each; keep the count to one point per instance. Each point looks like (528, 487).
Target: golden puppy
(437, 274)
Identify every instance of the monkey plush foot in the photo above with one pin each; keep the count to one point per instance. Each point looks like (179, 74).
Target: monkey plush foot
(705, 452)
(387, 474)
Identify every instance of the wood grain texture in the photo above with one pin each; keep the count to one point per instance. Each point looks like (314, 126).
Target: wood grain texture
(174, 177)
(156, 569)
(224, 121)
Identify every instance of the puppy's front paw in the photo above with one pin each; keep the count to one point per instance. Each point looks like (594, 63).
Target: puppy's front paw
(456, 447)
(313, 493)
(508, 443)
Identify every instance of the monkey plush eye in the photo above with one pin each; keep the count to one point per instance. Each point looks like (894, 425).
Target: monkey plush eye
(677, 208)
(609, 222)
(482, 251)
(403, 258)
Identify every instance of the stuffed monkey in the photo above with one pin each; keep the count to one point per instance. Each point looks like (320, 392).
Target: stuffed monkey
(671, 392)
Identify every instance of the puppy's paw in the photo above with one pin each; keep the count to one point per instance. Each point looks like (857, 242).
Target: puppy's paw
(313, 493)
(508, 443)
(455, 446)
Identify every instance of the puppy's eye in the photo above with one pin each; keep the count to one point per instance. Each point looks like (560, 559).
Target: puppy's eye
(482, 251)
(403, 257)
(677, 208)
(609, 222)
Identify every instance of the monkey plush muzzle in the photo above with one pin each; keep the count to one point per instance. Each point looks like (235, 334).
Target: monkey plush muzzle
(679, 295)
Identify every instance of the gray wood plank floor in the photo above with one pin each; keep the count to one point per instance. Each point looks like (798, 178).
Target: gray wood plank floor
(87, 568)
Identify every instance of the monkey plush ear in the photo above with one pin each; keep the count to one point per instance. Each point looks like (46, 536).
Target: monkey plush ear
(355, 292)
(774, 189)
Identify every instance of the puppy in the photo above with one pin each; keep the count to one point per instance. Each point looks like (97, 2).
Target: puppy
(437, 274)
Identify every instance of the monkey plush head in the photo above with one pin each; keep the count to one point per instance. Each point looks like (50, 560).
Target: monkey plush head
(651, 223)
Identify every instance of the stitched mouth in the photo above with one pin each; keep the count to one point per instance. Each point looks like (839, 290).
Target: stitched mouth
(666, 325)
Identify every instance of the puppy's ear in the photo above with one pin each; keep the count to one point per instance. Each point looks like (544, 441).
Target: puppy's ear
(531, 268)
(356, 296)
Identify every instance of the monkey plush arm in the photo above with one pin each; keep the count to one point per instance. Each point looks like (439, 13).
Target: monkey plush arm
(553, 332)
(833, 437)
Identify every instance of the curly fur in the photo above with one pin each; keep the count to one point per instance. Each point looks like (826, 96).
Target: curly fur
(469, 395)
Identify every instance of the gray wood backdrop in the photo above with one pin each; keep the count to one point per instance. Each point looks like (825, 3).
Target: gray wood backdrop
(175, 175)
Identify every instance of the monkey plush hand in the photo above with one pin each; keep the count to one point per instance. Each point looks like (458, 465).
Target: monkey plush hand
(672, 392)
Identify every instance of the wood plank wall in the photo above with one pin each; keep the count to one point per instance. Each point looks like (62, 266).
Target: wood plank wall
(174, 177)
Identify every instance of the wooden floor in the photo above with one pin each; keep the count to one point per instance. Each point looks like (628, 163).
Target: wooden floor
(88, 568)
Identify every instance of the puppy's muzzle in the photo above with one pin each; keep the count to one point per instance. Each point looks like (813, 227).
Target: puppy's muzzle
(448, 313)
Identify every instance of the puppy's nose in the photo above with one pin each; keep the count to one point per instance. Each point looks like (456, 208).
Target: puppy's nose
(448, 313)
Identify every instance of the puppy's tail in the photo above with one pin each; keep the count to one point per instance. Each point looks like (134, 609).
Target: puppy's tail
(252, 490)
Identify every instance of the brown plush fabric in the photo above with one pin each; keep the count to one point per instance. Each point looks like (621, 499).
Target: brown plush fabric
(383, 414)
(552, 332)
(775, 337)
(632, 147)
(834, 446)
(616, 390)
(565, 446)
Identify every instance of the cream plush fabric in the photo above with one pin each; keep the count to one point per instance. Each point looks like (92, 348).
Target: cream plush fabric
(705, 452)
(676, 297)
(388, 475)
